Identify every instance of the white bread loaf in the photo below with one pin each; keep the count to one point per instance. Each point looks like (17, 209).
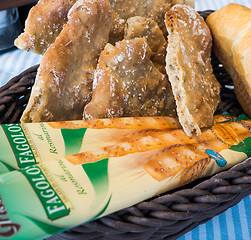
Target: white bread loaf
(231, 30)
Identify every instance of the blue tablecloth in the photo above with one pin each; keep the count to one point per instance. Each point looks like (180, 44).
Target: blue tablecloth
(233, 224)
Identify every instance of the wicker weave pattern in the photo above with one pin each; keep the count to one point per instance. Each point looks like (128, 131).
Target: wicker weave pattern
(170, 215)
(15, 95)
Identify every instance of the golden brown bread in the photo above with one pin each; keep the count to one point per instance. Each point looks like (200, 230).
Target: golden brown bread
(46, 20)
(63, 85)
(154, 9)
(128, 84)
(188, 65)
(137, 27)
(231, 30)
(44, 23)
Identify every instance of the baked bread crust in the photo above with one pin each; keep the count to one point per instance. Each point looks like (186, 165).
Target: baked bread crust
(137, 27)
(231, 30)
(63, 85)
(43, 24)
(47, 18)
(188, 65)
(127, 84)
(154, 9)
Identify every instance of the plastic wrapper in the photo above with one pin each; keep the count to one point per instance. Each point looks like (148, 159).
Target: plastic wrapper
(23, 145)
(52, 195)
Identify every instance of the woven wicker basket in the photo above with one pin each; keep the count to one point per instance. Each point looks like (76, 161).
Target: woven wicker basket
(169, 215)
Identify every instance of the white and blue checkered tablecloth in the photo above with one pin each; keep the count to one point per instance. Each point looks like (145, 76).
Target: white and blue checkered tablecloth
(235, 223)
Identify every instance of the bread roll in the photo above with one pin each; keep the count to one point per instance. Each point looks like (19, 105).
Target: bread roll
(231, 30)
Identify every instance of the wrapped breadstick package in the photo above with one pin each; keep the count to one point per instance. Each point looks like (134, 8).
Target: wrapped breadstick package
(23, 145)
(89, 183)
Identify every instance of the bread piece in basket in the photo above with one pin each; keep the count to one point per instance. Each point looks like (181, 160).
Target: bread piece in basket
(188, 65)
(63, 84)
(148, 28)
(46, 20)
(44, 23)
(231, 30)
(127, 84)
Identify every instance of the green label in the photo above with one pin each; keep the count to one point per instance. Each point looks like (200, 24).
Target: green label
(241, 117)
(20, 145)
(98, 175)
(73, 139)
(53, 205)
(244, 146)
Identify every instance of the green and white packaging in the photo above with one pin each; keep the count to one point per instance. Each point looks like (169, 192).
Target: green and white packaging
(23, 145)
(53, 195)
(45, 199)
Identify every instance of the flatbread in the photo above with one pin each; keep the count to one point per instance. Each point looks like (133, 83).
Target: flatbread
(128, 84)
(44, 23)
(188, 65)
(63, 85)
(137, 27)
(154, 9)
(46, 19)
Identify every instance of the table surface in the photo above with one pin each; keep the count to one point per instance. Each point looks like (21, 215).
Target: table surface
(233, 224)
